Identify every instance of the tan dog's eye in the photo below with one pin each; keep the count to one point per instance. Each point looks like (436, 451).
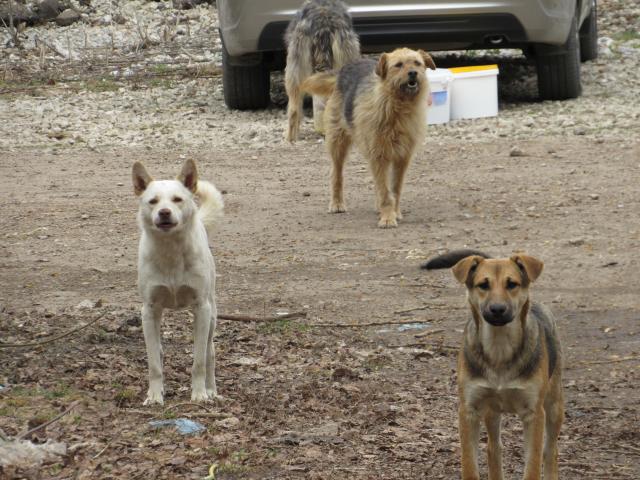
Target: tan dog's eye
(177, 199)
(484, 285)
(153, 201)
(511, 284)
(418, 64)
(398, 65)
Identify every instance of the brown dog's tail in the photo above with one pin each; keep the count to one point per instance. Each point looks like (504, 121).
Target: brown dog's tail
(323, 83)
(449, 259)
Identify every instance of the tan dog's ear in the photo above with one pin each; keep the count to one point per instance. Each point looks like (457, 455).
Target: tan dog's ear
(189, 175)
(532, 267)
(381, 68)
(141, 179)
(466, 267)
(428, 60)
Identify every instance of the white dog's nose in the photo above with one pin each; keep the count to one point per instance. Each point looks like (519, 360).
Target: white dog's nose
(164, 213)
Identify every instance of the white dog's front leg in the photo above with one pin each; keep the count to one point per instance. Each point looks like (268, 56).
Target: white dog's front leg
(201, 327)
(151, 321)
(212, 391)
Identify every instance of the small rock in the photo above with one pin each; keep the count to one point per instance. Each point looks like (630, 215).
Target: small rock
(516, 152)
(594, 196)
(84, 216)
(49, 9)
(85, 304)
(228, 422)
(68, 17)
(306, 194)
(576, 242)
(579, 131)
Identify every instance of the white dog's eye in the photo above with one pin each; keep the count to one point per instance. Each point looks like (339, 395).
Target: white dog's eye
(153, 201)
(177, 199)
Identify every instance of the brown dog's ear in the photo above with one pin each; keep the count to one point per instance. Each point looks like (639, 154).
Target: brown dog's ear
(141, 179)
(189, 175)
(381, 68)
(466, 267)
(531, 267)
(428, 60)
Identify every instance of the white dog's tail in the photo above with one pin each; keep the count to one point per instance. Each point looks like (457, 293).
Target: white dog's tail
(211, 204)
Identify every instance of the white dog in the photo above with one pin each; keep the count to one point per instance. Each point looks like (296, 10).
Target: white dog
(176, 270)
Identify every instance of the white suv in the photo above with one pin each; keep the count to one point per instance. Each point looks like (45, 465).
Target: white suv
(557, 33)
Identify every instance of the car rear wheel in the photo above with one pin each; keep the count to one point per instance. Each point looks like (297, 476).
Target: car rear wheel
(245, 81)
(559, 68)
(589, 35)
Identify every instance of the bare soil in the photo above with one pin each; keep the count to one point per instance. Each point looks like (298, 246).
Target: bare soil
(302, 400)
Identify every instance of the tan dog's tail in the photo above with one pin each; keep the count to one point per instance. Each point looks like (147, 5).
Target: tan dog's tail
(323, 83)
(211, 204)
(449, 259)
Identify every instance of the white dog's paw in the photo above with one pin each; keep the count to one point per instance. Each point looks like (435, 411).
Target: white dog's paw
(200, 396)
(154, 398)
(213, 396)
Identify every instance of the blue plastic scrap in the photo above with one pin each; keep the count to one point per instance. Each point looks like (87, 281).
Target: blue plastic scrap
(183, 425)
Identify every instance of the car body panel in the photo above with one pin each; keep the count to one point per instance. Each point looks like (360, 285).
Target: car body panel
(242, 22)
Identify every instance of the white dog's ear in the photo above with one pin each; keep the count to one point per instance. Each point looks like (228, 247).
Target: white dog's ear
(189, 175)
(141, 178)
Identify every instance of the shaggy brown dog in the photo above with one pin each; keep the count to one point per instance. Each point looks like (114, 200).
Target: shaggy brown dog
(320, 38)
(381, 106)
(510, 362)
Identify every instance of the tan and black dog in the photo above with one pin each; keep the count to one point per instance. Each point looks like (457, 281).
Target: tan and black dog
(510, 362)
(381, 106)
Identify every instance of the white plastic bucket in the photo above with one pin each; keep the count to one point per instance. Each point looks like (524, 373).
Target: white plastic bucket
(440, 83)
(474, 92)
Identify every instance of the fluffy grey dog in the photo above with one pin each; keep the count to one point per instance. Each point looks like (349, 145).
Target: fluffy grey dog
(320, 38)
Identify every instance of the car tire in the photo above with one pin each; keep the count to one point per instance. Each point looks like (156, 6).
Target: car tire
(245, 81)
(559, 68)
(589, 35)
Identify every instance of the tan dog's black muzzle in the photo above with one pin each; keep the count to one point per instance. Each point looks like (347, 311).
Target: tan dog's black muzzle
(497, 314)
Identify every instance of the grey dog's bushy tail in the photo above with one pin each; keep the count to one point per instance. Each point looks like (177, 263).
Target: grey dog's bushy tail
(449, 259)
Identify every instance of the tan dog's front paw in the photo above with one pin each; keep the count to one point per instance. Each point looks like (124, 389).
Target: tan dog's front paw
(337, 207)
(398, 215)
(388, 221)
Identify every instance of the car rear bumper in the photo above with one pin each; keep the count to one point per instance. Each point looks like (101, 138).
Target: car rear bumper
(249, 26)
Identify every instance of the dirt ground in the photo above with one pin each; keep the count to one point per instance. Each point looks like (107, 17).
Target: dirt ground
(302, 400)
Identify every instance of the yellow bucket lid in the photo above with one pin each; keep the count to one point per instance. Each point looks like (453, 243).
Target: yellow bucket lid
(475, 68)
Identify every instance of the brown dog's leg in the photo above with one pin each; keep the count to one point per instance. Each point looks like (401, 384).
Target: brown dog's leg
(494, 445)
(386, 202)
(294, 112)
(554, 411)
(469, 425)
(338, 141)
(399, 169)
(533, 439)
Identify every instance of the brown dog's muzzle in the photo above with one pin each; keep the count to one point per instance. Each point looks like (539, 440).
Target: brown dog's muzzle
(412, 85)
(497, 314)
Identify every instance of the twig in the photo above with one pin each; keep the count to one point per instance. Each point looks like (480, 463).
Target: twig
(612, 360)
(423, 307)
(185, 404)
(101, 451)
(46, 424)
(248, 319)
(369, 324)
(429, 332)
(52, 339)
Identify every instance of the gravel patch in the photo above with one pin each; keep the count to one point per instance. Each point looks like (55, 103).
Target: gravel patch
(144, 74)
